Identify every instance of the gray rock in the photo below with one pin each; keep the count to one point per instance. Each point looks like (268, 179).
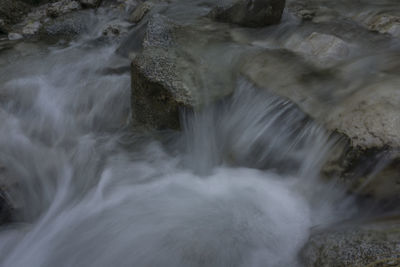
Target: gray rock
(62, 7)
(64, 27)
(385, 23)
(140, 11)
(186, 63)
(116, 29)
(31, 28)
(361, 244)
(322, 49)
(14, 36)
(11, 12)
(364, 115)
(90, 3)
(249, 13)
(177, 69)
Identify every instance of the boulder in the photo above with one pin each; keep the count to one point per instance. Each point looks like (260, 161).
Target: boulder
(140, 11)
(62, 7)
(11, 12)
(385, 23)
(12, 36)
(65, 27)
(116, 29)
(375, 243)
(178, 69)
(322, 49)
(249, 13)
(90, 3)
(31, 28)
(364, 115)
(183, 63)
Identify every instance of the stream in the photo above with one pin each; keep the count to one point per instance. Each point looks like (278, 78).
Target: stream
(238, 186)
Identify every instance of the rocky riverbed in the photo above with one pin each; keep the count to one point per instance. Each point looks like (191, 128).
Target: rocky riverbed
(242, 124)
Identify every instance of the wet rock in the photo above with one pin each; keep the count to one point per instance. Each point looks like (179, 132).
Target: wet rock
(385, 24)
(12, 36)
(62, 7)
(11, 12)
(32, 28)
(65, 27)
(116, 29)
(37, 2)
(255, 13)
(364, 115)
(369, 116)
(111, 30)
(323, 49)
(140, 11)
(374, 243)
(90, 3)
(4, 28)
(306, 14)
(369, 164)
(178, 69)
(187, 65)
(370, 174)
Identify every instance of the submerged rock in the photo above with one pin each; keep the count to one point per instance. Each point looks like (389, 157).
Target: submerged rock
(367, 244)
(249, 13)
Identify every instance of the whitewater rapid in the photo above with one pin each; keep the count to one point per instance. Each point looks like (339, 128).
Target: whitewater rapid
(237, 187)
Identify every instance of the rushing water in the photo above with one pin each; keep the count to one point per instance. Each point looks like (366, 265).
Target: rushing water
(238, 187)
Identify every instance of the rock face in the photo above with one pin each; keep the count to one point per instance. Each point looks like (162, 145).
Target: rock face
(369, 244)
(249, 13)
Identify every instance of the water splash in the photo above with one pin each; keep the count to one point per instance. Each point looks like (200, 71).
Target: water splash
(88, 197)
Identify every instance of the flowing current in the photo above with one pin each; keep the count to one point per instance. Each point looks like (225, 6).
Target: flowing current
(237, 187)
